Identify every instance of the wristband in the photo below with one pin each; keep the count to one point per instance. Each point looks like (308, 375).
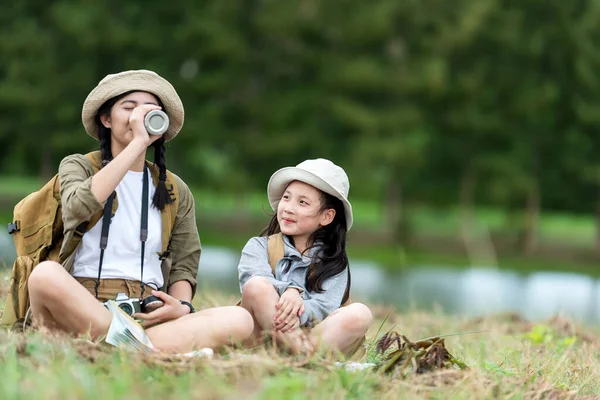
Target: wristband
(187, 303)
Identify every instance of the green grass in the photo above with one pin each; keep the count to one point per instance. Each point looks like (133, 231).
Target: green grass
(510, 358)
(19, 186)
(513, 358)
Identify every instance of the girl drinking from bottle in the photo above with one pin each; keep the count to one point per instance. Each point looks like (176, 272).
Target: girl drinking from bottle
(152, 246)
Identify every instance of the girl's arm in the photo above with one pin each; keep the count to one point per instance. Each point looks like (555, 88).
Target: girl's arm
(319, 305)
(108, 178)
(185, 242)
(181, 290)
(254, 262)
(77, 201)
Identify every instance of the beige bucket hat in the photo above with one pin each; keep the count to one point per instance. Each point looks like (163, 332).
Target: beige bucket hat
(320, 173)
(139, 80)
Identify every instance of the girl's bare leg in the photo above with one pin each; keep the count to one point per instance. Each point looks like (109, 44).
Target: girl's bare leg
(343, 329)
(59, 302)
(259, 297)
(213, 327)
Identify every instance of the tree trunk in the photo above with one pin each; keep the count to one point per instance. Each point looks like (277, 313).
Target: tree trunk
(393, 210)
(529, 240)
(467, 194)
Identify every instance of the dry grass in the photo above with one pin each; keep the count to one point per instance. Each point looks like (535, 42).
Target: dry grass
(512, 358)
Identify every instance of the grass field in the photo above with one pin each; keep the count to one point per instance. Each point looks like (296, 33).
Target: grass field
(511, 359)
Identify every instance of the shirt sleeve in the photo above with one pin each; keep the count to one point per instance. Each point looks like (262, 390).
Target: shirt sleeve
(77, 200)
(254, 262)
(185, 241)
(320, 305)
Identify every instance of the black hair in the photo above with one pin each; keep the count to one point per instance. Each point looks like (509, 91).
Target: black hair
(330, 259)
(161, 195)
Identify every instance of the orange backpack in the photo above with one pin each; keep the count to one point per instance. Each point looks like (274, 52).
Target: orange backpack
(37, 231)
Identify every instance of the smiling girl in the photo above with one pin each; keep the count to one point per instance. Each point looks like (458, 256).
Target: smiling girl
(299, 301)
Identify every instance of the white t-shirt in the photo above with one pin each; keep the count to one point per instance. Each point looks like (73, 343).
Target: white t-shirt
(123, 252)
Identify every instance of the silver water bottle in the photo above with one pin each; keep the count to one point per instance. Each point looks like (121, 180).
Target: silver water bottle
(156, 122)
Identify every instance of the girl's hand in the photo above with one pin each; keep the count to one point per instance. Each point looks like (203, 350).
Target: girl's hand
(289, 308)
(136, 122)
(290, 326)
(172, 309)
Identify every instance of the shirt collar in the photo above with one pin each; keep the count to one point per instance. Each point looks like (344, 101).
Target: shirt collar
(292, 252)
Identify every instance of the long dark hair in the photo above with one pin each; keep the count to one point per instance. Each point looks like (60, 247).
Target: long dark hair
(330, 259)
(161, 195)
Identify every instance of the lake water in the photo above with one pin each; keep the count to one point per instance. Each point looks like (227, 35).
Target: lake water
(471, 291)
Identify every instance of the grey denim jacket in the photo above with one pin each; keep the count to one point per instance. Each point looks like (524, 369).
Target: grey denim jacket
(317, 306)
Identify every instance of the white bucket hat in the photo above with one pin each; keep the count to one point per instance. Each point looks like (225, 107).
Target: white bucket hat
(320, 173)
(136, 80)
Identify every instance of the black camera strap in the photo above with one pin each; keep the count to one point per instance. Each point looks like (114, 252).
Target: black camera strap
(144, 226)
(106, 218)
(104, 235)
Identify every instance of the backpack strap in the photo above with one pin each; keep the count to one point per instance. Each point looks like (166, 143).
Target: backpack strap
(275, 250)
(95, 158)
(169, 214)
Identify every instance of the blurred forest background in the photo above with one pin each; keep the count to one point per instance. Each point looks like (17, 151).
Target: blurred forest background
(468, 128)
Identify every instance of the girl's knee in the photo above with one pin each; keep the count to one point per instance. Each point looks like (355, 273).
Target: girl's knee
(256, 288)
(245, 323)
(359, 317)
(44, 276)
(241, 325)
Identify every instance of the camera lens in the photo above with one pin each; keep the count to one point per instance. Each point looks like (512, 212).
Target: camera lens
(151, 303)
(127, 308)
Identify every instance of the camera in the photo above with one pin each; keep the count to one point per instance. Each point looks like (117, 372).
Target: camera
(131, 306)
(156, 122)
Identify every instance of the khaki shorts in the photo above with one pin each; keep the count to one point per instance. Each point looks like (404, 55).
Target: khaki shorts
(109, 288)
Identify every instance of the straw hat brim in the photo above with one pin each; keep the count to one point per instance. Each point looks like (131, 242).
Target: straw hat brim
(283, 177)
(138, 80)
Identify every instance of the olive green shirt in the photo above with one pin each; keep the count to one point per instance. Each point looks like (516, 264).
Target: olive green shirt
(79, 205)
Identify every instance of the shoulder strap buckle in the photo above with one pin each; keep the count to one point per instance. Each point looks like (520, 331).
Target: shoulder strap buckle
(14, 227)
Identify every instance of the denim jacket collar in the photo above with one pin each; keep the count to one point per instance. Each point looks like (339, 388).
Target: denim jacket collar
(291, 252)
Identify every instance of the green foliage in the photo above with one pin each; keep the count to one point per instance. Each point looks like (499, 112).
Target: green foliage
(487, 101)
(544, 334)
